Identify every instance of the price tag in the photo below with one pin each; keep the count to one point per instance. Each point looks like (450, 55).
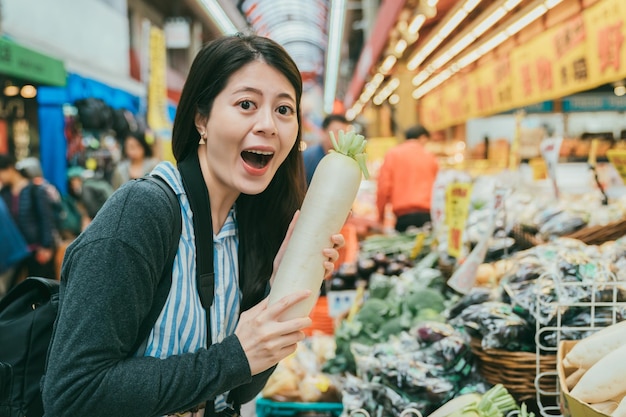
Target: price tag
(458, 196)
(550, 149)
(419, 244)
(539, 168)
(593, 153)
(617, 158)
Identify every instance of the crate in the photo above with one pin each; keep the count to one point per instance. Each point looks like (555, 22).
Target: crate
(269, 408)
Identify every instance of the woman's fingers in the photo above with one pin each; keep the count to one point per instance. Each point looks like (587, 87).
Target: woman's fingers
(338, 240)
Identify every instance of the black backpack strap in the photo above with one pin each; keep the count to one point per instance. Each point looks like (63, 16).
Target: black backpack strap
(198, 196)
(165, 282)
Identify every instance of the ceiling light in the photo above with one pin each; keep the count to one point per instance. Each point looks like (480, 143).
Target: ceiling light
(391, 86)
(333, 54)
(416, 23)
(481, 50)
(400, 47)
(420, 78)
(388, 64)
(551, 3)
(526, 20)
(394, 99)
(489, 21)
(492, 43)
(219, 16)
(444, 29)
(28, 91)
(510, 4)
(11, 90)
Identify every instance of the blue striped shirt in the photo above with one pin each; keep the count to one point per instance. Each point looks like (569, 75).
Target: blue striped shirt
(181, 326)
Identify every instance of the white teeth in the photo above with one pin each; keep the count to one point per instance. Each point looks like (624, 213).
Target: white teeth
(261, 152)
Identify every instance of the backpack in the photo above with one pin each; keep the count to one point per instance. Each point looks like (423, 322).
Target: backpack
(27, 315)
(56, 202)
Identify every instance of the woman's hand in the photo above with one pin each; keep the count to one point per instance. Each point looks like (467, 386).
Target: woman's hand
(266, 340)
(337, 241)
(332, 253)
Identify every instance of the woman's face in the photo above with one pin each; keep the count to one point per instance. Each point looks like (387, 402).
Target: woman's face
(133, 149)
(251, 129)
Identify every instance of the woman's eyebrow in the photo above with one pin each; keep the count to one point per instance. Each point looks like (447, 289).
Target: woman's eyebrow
(259, 92)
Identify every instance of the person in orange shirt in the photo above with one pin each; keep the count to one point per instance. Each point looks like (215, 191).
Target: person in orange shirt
(405, 180)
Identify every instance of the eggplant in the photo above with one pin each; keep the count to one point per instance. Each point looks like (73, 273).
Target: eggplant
(365, 267)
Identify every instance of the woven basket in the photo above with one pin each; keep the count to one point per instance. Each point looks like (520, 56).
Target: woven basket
(596, 235)
(515, 370)
(523, 239)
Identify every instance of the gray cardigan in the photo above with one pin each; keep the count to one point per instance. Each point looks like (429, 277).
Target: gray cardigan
(109, 276)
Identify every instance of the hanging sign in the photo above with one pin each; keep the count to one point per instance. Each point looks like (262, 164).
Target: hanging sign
(617, 158)
(458, 196)
(464, 277)
(157, 85)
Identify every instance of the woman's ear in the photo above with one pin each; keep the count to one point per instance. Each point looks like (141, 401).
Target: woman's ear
(200, 122)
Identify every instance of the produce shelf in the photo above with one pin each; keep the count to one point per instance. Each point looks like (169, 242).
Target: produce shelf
(605, 305)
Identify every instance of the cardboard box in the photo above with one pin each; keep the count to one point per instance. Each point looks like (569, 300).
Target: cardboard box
(570, 406)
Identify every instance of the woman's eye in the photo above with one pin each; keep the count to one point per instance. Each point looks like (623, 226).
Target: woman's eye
(285, 110)
(246, 104)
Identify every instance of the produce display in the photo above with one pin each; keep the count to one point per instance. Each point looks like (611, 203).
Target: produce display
(412, 343)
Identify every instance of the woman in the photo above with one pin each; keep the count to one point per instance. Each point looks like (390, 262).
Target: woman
(31, 208)
(137, 162)
(238, 127)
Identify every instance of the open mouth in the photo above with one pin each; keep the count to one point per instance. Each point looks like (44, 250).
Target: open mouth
(257, 159)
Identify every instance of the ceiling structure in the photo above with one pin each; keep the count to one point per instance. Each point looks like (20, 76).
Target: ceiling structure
(299, 26)
(379, 39)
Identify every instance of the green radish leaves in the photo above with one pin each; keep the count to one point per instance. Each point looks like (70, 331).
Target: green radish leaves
(351, 144)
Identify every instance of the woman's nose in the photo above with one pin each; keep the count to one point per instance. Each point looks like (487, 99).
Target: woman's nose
(266, 123)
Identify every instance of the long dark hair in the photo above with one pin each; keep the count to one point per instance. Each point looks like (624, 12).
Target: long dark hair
(263, 219)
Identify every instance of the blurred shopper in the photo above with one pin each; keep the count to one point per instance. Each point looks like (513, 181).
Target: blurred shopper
(314, 154)
(86, 196)
(13, 248)
(405, 180)
(239, 183)
(137, 160)
(31, 209)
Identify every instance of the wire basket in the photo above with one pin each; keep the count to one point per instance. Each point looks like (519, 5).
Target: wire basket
(514, 369)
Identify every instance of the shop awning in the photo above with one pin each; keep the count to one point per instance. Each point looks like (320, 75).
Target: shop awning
(18, 61)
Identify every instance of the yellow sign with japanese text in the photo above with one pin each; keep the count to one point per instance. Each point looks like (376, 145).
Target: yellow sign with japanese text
(458, 197)
(578, 54)
(605, 25)
(157, 85)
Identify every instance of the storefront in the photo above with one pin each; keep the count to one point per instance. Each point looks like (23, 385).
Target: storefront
(58, 114)
(23, 73)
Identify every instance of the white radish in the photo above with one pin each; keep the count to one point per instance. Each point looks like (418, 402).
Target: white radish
(620, 410)
(605, 407)
(604, 380)
(574, 377)
(326, 206)
(590, 349)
